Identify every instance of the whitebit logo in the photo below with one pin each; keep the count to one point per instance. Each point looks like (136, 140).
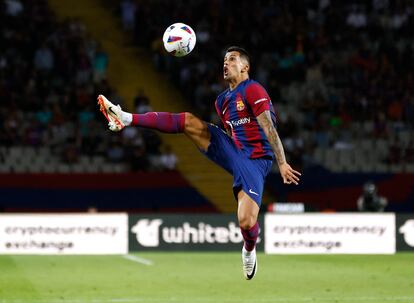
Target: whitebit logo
(147, 232)
(202, 233)
(408, 230)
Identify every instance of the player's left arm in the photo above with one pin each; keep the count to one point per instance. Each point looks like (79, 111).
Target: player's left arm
(260, 104)
(289, 175)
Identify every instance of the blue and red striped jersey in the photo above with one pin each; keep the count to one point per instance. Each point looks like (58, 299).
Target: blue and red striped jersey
(238, 110)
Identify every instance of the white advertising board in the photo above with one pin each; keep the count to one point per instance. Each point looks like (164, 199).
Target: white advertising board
(64, 234)
(330, 234)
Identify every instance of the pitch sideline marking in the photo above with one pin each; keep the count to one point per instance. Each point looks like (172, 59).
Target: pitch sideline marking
(138, 260)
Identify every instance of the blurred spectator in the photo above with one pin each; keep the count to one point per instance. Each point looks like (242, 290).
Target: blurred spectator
(43, 59)
(115, 152)
(70, 152)
(168, 159)
(370, 201)
(141, 103)
(13, 7)
(128, 9)
(357, 18)
(100, 65)
(139, 160)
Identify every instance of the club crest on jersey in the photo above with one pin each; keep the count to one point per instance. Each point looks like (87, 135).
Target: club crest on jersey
(239, 105)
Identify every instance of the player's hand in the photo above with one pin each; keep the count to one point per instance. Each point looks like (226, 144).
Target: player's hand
(289, 175)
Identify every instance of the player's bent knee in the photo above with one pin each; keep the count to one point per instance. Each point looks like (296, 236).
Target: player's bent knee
(189, 120)
(194, 125)
(247, 222)
(197, 131)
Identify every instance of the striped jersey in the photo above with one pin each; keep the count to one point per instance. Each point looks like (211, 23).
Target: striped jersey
(238, 110)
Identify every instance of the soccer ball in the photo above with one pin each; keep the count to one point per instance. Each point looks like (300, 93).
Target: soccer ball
(179, 39)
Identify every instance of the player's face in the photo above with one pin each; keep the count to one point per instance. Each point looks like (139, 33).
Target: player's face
(233, 66)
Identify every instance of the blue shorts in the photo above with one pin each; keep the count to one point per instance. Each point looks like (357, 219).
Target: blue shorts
(248, 174)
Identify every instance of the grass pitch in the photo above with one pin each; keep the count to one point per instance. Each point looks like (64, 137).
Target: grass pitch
(206, 277)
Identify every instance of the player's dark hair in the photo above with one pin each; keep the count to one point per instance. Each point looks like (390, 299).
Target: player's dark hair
(243, 53)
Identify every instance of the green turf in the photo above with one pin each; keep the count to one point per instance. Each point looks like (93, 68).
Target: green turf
(206, 277)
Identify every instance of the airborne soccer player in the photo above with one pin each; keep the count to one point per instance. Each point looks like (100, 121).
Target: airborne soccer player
(246, 150)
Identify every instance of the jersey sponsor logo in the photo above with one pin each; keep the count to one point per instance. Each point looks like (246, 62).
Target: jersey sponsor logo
(239, 122)
(239, 105)
(260, 100)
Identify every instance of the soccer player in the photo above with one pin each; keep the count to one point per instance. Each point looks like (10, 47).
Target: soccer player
(246, 150)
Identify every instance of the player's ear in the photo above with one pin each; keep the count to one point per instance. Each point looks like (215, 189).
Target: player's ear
(246, 67)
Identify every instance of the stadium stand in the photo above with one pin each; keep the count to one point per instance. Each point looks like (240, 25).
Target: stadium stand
(55, 151)
(340, 73)
(50, 74)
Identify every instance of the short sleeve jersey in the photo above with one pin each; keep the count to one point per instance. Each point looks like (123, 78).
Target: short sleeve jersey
(238, 110)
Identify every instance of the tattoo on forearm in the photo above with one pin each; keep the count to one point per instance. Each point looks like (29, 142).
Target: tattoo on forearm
(265, 121)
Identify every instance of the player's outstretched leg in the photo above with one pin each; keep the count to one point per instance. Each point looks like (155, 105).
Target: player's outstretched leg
(162, 121)
(247, 214)
(186, 123)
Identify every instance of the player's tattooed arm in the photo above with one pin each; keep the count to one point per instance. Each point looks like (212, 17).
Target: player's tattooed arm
(266, 123)
(288, 174)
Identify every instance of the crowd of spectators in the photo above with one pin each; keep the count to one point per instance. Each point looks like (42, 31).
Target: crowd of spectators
(50, 75)
(338, 72)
